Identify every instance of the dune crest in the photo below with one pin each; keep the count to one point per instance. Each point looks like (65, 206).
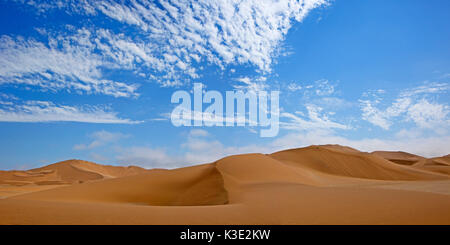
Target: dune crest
(67, 172)
(339, 161)
(436, 164)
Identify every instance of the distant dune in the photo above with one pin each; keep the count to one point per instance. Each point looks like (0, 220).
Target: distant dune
(327, 184)
(67, 172)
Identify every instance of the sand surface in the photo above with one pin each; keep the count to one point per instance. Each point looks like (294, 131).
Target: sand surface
(327, 184)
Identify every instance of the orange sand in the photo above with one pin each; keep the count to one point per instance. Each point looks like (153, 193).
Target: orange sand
(328, 184)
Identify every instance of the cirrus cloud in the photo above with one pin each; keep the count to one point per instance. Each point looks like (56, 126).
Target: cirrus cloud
(45, 111)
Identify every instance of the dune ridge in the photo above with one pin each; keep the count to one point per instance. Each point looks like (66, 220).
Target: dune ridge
(435, 164)
(67, 172)
(326, 184)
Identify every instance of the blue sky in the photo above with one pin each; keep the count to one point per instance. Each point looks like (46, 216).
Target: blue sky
(92, 80)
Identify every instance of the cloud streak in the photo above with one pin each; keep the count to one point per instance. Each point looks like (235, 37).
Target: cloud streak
(45, 111)
(101, 138)
(315, 119)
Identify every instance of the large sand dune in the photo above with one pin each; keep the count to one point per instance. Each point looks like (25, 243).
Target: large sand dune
(313, 185)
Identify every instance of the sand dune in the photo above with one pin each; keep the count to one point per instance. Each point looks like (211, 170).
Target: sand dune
(198, 185)
(444, 161)
(328, 184)
(399, 157)
(436, 164)
(341, 162)
(67, 172)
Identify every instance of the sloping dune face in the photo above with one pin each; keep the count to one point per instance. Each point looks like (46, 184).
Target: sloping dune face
(437, 164)
(199, 185)
(328, 184)
(342, 162)
(399, 157)
(444, 161)
(260, 168)
(67, 172)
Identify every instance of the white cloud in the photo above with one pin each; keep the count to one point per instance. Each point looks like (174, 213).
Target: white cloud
(427, 89)
(333, 103)
(44, 111)
(101, 138)
(294, 87)
(429, 115)
(149, 157)
(8, 96)
(98, 157)
(323, 87)
(415, 105)
(318, 88)
(314, 120)
(207, 117)
(168, 38)
(198, 133)
(373, 115)
(253, 85)
(65, 63)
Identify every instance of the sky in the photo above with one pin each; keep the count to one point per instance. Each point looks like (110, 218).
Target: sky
(93, 80)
